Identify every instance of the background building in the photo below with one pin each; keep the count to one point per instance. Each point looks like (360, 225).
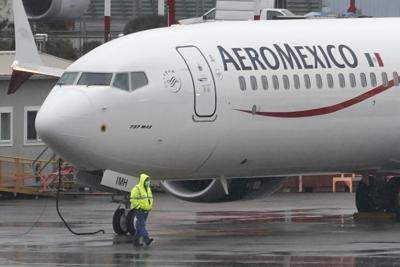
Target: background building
(18, 111)
(374, 8)
(123, 9)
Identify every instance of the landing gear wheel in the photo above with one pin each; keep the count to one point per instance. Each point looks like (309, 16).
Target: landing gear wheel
(393, 196)
(371, 195)
(119, 222)
(130, 222)
(363, 203)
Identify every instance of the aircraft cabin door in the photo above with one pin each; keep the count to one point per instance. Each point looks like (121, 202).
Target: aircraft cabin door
(205, 95)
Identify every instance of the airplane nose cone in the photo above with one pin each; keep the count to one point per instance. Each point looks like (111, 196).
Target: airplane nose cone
(63, 123)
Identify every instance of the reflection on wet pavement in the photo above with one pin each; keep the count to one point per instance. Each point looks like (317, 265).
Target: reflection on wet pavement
(292, 216)
(283, 230)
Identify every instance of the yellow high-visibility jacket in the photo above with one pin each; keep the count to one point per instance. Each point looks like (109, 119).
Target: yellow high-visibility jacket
(142, 197)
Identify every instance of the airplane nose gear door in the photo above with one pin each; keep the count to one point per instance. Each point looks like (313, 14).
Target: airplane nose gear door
(205, 95)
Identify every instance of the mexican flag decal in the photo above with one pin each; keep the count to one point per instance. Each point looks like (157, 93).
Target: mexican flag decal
(374, 59)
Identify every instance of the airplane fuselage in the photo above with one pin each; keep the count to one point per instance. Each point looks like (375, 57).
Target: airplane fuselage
(235, 99)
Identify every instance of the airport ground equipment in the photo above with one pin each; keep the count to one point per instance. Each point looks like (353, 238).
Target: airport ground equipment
(35, 177)
(17, 177)
(68, 182)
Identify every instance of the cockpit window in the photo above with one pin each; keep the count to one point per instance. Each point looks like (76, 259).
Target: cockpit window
(121, 81)
(91, 78)
(68, 78)
(138, 79)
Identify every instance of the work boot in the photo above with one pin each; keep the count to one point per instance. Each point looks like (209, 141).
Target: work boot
(148, 242)
(137, 244)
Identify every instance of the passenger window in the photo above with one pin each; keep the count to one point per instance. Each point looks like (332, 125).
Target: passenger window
(307, 81)
(68, 78)
(342, 81)
(329, 79)
(253, 82)
(296, 80)
(318, 78)
(286, 83)
(363, 78)
(138, 79)
(373, 79)
(396, 78)
(90, 78)
(242, 83)
(353, 82)
(385, 79)
(264, 82)
(275, 82)
(121, 81)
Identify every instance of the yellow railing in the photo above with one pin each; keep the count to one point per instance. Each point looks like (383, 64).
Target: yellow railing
(16, 174)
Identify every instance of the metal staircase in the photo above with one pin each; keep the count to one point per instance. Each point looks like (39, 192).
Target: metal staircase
(18, 177)
(36, 177)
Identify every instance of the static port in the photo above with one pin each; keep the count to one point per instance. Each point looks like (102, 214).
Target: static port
(103, 128)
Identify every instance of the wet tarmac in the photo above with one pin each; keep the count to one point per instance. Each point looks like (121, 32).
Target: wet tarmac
(282, 230)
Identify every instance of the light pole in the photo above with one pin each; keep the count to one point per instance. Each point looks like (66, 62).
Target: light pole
(107, 20)
(352, 8)
(171, 12)
(161, 4)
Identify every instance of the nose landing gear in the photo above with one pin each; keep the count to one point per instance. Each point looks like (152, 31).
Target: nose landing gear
(124, 220)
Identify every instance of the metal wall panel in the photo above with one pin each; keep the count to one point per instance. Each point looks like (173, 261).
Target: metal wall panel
(375, 8)
(301, 7)
(32, 93)
(124, 9)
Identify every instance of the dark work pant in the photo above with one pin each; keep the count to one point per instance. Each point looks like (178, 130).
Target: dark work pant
(141, 231)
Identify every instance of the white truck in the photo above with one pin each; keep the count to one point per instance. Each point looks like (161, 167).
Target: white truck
(275, 13)
(265, 14)
(243, 10)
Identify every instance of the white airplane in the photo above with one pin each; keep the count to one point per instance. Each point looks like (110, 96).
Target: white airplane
(227, 110)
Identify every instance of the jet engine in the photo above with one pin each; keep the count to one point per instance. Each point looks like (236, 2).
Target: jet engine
(55, 9)
(212, 190)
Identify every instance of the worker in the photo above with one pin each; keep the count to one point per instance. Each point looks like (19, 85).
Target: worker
(142, 203)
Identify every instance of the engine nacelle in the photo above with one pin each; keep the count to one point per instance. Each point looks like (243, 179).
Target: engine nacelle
(212, 190)
(55, 9)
